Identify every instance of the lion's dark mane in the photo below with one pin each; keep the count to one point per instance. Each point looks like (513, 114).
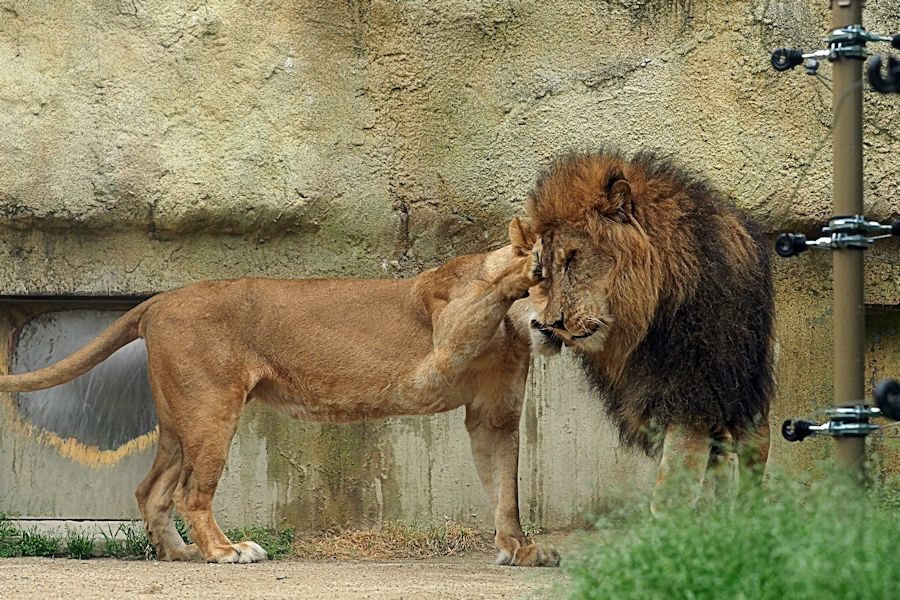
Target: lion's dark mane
(706, 361)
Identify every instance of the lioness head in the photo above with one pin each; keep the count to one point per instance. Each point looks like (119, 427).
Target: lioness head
(599, 290)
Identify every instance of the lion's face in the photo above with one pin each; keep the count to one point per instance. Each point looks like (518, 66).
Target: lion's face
(570, 305)
(600, 288)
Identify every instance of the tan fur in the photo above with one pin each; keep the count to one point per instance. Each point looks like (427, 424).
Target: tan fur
(328, 350)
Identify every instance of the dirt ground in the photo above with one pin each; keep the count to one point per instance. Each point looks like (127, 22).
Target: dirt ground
(470, 576)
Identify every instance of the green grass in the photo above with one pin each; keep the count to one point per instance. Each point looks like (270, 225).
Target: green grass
(79, 545)
(182, 529)
(136, 542)
(34, 543)
(114, 547)
(25, 542)
(9, 538)
(128, 540)
(790, 540)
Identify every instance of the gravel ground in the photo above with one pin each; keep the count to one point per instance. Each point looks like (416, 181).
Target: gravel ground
(471, 576)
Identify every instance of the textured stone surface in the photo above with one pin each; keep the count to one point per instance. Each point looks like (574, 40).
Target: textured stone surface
(147, 144)
(387, 131)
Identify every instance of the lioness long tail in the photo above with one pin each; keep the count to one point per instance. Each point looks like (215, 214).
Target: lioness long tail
(123, 331)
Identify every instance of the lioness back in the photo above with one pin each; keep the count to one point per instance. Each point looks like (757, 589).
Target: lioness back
(330, 349)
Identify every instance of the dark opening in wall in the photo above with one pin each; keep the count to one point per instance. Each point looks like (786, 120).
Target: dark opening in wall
(106, 407)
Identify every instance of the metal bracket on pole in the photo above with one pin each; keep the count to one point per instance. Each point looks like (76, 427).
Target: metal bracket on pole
(849, 421)
(844, 42)
(853, 232)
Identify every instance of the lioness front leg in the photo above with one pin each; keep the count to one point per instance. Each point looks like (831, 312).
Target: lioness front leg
(494, 435)
(464, 328)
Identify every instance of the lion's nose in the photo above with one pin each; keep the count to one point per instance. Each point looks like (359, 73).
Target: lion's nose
(560, 323)
(543, 329)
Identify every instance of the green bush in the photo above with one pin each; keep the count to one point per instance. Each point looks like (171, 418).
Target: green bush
(787, 540)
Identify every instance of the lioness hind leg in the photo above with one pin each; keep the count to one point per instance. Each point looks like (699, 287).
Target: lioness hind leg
(154, 497)
(495, 448)
(682, 468)
(204, 443)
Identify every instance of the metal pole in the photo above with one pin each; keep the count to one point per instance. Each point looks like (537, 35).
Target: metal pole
(849, 303)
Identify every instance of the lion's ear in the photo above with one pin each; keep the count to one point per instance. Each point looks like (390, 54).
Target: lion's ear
(619, 194)
(521, 236)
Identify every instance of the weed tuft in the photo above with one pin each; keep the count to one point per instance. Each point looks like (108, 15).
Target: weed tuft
(34, 543)
(136, 542)
(79, 545)
(9, 538)
(113, 546)
(182, 529)
(530, 529)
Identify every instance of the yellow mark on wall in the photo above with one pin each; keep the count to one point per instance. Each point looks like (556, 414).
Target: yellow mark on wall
(71, 448)
(92, 456)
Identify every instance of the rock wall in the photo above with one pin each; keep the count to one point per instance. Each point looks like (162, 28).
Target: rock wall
(146, 144)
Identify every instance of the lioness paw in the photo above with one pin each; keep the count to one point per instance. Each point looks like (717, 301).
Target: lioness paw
(243, 553)
(533, 270)
(534, 555)
(513, 553)
(190, 552)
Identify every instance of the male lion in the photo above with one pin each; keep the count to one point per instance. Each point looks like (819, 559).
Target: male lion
(665, 294)
(328, 350)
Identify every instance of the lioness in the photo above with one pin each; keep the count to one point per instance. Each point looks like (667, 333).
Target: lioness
(335, 350)
(665, 292)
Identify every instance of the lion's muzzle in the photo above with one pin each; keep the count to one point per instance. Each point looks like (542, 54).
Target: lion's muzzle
(544, 338)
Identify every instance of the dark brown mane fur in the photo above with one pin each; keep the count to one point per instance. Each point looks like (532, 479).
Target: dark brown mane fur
(703, 357)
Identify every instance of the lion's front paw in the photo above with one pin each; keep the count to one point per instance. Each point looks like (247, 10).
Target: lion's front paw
(244, 552)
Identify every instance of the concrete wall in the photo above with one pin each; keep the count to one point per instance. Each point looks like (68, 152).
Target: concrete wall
(146, 144)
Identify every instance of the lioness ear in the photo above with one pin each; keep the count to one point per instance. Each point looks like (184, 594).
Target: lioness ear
(521, 236)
